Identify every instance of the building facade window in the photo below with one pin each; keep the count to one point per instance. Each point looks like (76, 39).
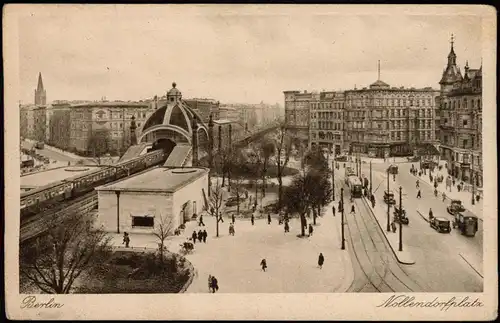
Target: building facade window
(143, 221)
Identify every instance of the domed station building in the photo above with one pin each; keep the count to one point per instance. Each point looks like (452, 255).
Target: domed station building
(175, 123)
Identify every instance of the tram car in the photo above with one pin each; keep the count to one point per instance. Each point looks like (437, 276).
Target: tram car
(46, 197)
(348, 173)
(355, 186)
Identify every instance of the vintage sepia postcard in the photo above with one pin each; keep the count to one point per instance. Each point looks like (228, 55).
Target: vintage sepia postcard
(291, 162)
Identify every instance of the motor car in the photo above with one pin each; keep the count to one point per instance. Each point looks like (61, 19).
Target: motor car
(400, 216)
(441, 225)
(389, 197)
(455, 207)
(466, 224)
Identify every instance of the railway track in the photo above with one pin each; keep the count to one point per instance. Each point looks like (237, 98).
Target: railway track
(37, 225)
(378, 269)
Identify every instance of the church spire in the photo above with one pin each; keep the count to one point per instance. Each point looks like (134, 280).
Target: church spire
(452, 57)
(40, 82)
(40, 94)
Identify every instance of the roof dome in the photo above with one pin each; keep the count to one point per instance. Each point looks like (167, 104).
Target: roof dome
(174, 91)
(379, 85)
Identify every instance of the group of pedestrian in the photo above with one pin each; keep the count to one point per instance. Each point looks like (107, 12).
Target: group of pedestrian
(213, 284)
(201, 236)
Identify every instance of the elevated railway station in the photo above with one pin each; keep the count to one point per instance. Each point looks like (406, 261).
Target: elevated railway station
(173, 136)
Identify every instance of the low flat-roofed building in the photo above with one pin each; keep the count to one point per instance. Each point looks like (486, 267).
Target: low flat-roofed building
(138, 203)
(42, 178)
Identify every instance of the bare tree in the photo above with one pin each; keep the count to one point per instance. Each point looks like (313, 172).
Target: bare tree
(266, 149)
(315, 162)
(163, 229)
(99, 145)
(223, 161)
(283, 144)
(255, 160)
(216, 204)
(71, 247)
(309, 189)
(239, 168)
(296, 198)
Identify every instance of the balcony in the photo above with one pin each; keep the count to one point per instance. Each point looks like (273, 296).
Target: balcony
(446, 126)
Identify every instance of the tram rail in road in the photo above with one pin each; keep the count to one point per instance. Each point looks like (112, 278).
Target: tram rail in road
(376, 268)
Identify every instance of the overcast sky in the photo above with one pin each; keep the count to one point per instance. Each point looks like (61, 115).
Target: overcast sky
(233, 55)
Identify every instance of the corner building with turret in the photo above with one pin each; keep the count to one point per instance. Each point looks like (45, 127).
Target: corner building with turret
(460, 120)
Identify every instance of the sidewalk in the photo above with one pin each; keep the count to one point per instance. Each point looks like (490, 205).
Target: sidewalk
(292, 261)
(380, 213)
(464, 196)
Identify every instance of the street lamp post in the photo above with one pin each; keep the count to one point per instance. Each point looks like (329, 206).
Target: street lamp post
(472, 177)
(371, 179)
(400, 222)
(342, 217)
(388, 204)
(333, 180)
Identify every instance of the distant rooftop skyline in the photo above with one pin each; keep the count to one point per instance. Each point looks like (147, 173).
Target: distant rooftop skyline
(234, 54)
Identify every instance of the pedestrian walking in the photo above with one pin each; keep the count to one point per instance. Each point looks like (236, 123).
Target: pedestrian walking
(193, 236)
(201, 221)
(419, 195)
(287, 227)
(431, 215)
(393, 226)
(126, 239)
(333, 210)
(210, 289)
(232, 217)
(435, 183)
(252, 219)
(231, 229)
(310, 229)
(444, 196)
(220, 217)
(435, 192)
(353, 209)
(215, 284)
(263, 264)
(321, 260)
(200, 236)
(268, 218)
(418, 184)
(205, 234)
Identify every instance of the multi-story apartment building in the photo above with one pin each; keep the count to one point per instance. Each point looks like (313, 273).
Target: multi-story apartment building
(297, 107)
(229, 113)
(27, 121)
(114, 117)
(327, 121)
(59, 128)
(385, 121)
(40, 123)
(460, 107)
(204, 107)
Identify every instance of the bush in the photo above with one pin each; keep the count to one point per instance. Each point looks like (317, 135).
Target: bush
(131, 272)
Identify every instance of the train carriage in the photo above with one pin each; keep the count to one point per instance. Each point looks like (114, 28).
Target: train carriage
(42, 198)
